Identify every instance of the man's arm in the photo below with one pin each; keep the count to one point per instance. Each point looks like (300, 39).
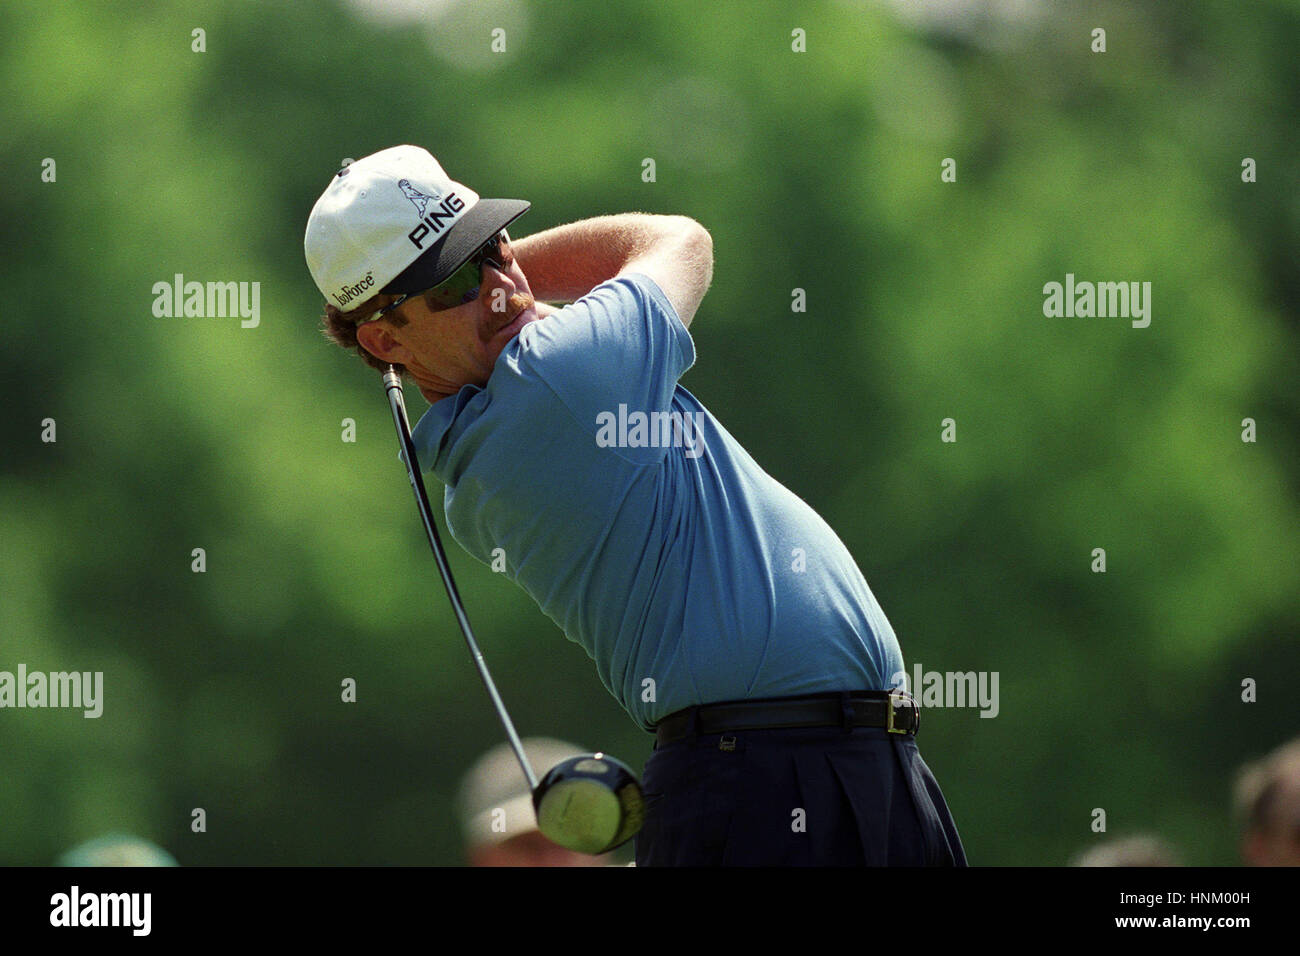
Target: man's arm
(565, 263)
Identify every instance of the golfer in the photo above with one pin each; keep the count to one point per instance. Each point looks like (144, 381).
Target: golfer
(721, 611)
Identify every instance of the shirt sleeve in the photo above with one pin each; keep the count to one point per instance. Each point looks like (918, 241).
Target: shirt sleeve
(620, 344)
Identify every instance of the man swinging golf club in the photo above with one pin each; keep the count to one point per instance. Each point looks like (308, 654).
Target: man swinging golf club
(632, 517)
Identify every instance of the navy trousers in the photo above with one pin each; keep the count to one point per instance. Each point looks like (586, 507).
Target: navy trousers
(823, 796)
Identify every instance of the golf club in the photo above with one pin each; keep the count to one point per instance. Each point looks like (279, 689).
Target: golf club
(591, 803)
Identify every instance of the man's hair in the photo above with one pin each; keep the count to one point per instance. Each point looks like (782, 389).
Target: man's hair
(1260, 785)
(341, 328)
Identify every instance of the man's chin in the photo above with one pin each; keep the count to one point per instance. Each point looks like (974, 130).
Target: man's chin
(496, 325)
(512, 328)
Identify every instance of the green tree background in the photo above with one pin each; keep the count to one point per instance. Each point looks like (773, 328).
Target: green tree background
(816, 170)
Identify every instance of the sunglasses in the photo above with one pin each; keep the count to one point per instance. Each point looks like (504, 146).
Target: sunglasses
(462, 285)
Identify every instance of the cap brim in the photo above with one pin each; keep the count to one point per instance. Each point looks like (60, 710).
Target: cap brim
(485, 220)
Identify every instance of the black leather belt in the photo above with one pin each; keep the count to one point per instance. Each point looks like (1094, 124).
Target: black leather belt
(894, 711)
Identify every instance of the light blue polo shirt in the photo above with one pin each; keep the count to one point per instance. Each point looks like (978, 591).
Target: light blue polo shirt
(640, 526)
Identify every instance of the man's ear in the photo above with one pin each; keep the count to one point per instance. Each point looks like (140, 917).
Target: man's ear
(377, 339)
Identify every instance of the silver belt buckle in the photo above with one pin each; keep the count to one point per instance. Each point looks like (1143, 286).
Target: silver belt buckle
(889, 717)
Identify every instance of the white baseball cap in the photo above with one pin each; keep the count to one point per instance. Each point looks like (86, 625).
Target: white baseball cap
(395, 222)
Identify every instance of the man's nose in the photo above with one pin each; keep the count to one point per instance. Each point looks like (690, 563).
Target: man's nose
(495, 278)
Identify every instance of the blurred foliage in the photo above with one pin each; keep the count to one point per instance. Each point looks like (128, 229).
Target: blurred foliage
(817, 170)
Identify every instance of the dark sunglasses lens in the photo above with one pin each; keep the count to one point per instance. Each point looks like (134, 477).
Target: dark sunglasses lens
(460, 287)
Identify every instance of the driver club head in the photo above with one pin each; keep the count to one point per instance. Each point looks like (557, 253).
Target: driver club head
(591, 803)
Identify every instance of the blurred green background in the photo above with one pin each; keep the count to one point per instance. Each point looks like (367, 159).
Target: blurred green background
(816, 170)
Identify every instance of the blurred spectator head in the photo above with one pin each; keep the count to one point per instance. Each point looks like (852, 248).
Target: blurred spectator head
(117, 849)
(1139, 850)
(496, 809)
(1267, 807)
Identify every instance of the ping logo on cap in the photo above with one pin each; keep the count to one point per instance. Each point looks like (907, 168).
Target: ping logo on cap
(421, 200)
(431, 220)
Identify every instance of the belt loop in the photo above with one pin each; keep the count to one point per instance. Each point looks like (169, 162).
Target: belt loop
(846, 712)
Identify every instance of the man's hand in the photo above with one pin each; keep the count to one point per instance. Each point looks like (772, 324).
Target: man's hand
(565, 263)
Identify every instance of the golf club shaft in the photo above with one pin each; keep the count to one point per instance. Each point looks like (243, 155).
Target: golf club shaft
(393, 385)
